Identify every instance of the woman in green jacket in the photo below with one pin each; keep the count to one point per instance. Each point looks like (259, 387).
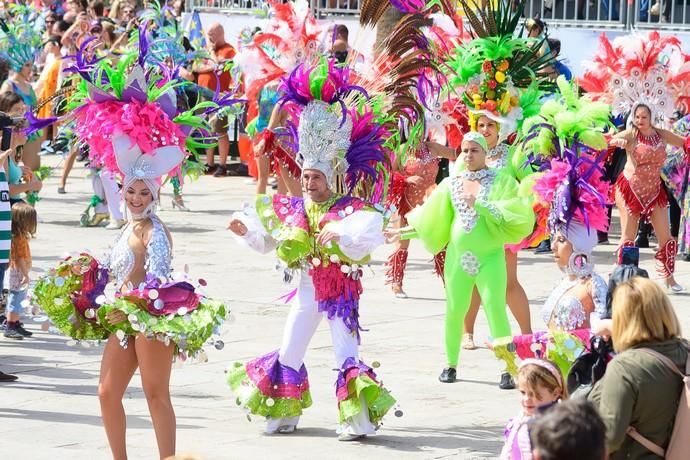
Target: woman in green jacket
(638, 389)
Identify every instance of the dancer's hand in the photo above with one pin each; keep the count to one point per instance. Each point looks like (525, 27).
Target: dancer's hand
(415, 180)
(619, 142)
(237, 227)
(327, 236)
(601, 327)
(392, 235)
(115, 317)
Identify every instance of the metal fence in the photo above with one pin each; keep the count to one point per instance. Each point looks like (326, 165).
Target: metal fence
(607, 14)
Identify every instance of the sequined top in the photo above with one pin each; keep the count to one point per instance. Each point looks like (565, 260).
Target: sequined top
(497, 158)
(467, 215)
(649, 155)
(566, 312)
(158, 253)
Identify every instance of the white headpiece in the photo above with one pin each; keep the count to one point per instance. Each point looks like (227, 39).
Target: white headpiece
(149, 167)
(324, 138)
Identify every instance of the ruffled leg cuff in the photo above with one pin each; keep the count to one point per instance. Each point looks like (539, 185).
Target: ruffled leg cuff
(358, 389)
(268, 388)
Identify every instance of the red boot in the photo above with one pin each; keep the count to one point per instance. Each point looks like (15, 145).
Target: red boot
(666, 263)
(396, 264)
(439, 265)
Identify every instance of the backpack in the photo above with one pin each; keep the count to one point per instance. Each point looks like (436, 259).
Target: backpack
(679, 444)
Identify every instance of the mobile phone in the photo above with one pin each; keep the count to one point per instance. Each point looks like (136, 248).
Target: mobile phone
(6, 138)
(631, 256)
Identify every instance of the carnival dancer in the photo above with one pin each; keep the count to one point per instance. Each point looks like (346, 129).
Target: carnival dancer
(573, 189)
(632, 75)
(416, 178)
(640, 193)
(503, 76)
(291, 36)
(20, 45)
(475, 213)
(129, 119)
(324, 239)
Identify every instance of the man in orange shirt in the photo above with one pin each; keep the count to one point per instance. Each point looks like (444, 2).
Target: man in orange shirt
(210, 74)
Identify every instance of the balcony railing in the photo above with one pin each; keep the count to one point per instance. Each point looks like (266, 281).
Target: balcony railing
(607, 14)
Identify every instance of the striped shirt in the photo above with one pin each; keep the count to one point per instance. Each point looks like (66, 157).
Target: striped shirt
(5, 218)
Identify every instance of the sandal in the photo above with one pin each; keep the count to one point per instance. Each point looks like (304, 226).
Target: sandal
(468, 342)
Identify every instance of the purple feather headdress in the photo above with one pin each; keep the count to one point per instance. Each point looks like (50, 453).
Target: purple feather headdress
(334, 129)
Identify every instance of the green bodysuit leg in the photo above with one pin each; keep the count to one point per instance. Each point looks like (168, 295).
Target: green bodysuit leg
(459, 292)
(491, 285)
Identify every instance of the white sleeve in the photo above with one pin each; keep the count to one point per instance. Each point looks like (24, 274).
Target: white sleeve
(360, 233)
(256, 238)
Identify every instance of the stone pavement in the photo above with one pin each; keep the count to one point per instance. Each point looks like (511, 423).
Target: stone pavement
(52, 412)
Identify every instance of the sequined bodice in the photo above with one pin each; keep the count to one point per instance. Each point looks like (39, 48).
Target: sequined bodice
(497, 158)
(158, 253)
(566, 312)
(467, 215)
(649, 156)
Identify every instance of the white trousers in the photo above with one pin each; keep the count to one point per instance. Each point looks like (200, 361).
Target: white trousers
(105, 187)
(300, 327)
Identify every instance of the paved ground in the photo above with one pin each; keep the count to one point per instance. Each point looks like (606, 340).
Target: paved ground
(52, 411)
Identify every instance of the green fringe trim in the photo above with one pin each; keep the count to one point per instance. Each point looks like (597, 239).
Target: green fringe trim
(378, 400)
(251, 398)
(55, 302)
(189, 332)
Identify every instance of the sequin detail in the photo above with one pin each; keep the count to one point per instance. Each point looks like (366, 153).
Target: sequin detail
(469, 263)
(323, 137)
(468, 215)
(567, 312)
(158, 253)
(497, 158)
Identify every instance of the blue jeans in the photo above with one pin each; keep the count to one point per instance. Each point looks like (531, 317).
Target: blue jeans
(14, 301)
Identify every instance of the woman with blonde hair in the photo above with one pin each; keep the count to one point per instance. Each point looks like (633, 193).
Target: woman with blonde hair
(638, 389)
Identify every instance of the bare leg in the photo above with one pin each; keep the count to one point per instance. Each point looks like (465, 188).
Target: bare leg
(515, 295)
(659, 218)
(282, 188)
(223, 149)
(30, 154)
(294, 186)
(471, 316)
(117, 367)
(629, 222)
(68, 165)
(263, 167)
(209, 157)
(155, 364)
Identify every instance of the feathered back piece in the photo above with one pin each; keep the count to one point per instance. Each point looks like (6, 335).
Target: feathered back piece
(335, 129)
(408, 62)
(20, 42)
(569, 132)
(500, 72)
(289, 37)
(565, 122)
(116, 99)
(633, 70)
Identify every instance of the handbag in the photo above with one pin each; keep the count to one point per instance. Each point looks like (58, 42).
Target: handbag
(589, 367)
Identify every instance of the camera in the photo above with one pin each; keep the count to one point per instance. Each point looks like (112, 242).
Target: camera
(7, 124)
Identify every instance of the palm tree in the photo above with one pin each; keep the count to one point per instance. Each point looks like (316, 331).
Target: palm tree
(386, 24)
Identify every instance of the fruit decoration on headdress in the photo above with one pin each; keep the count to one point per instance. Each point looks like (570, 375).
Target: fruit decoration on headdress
(500, 73)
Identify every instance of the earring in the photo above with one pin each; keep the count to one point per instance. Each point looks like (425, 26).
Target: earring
(579, 265)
